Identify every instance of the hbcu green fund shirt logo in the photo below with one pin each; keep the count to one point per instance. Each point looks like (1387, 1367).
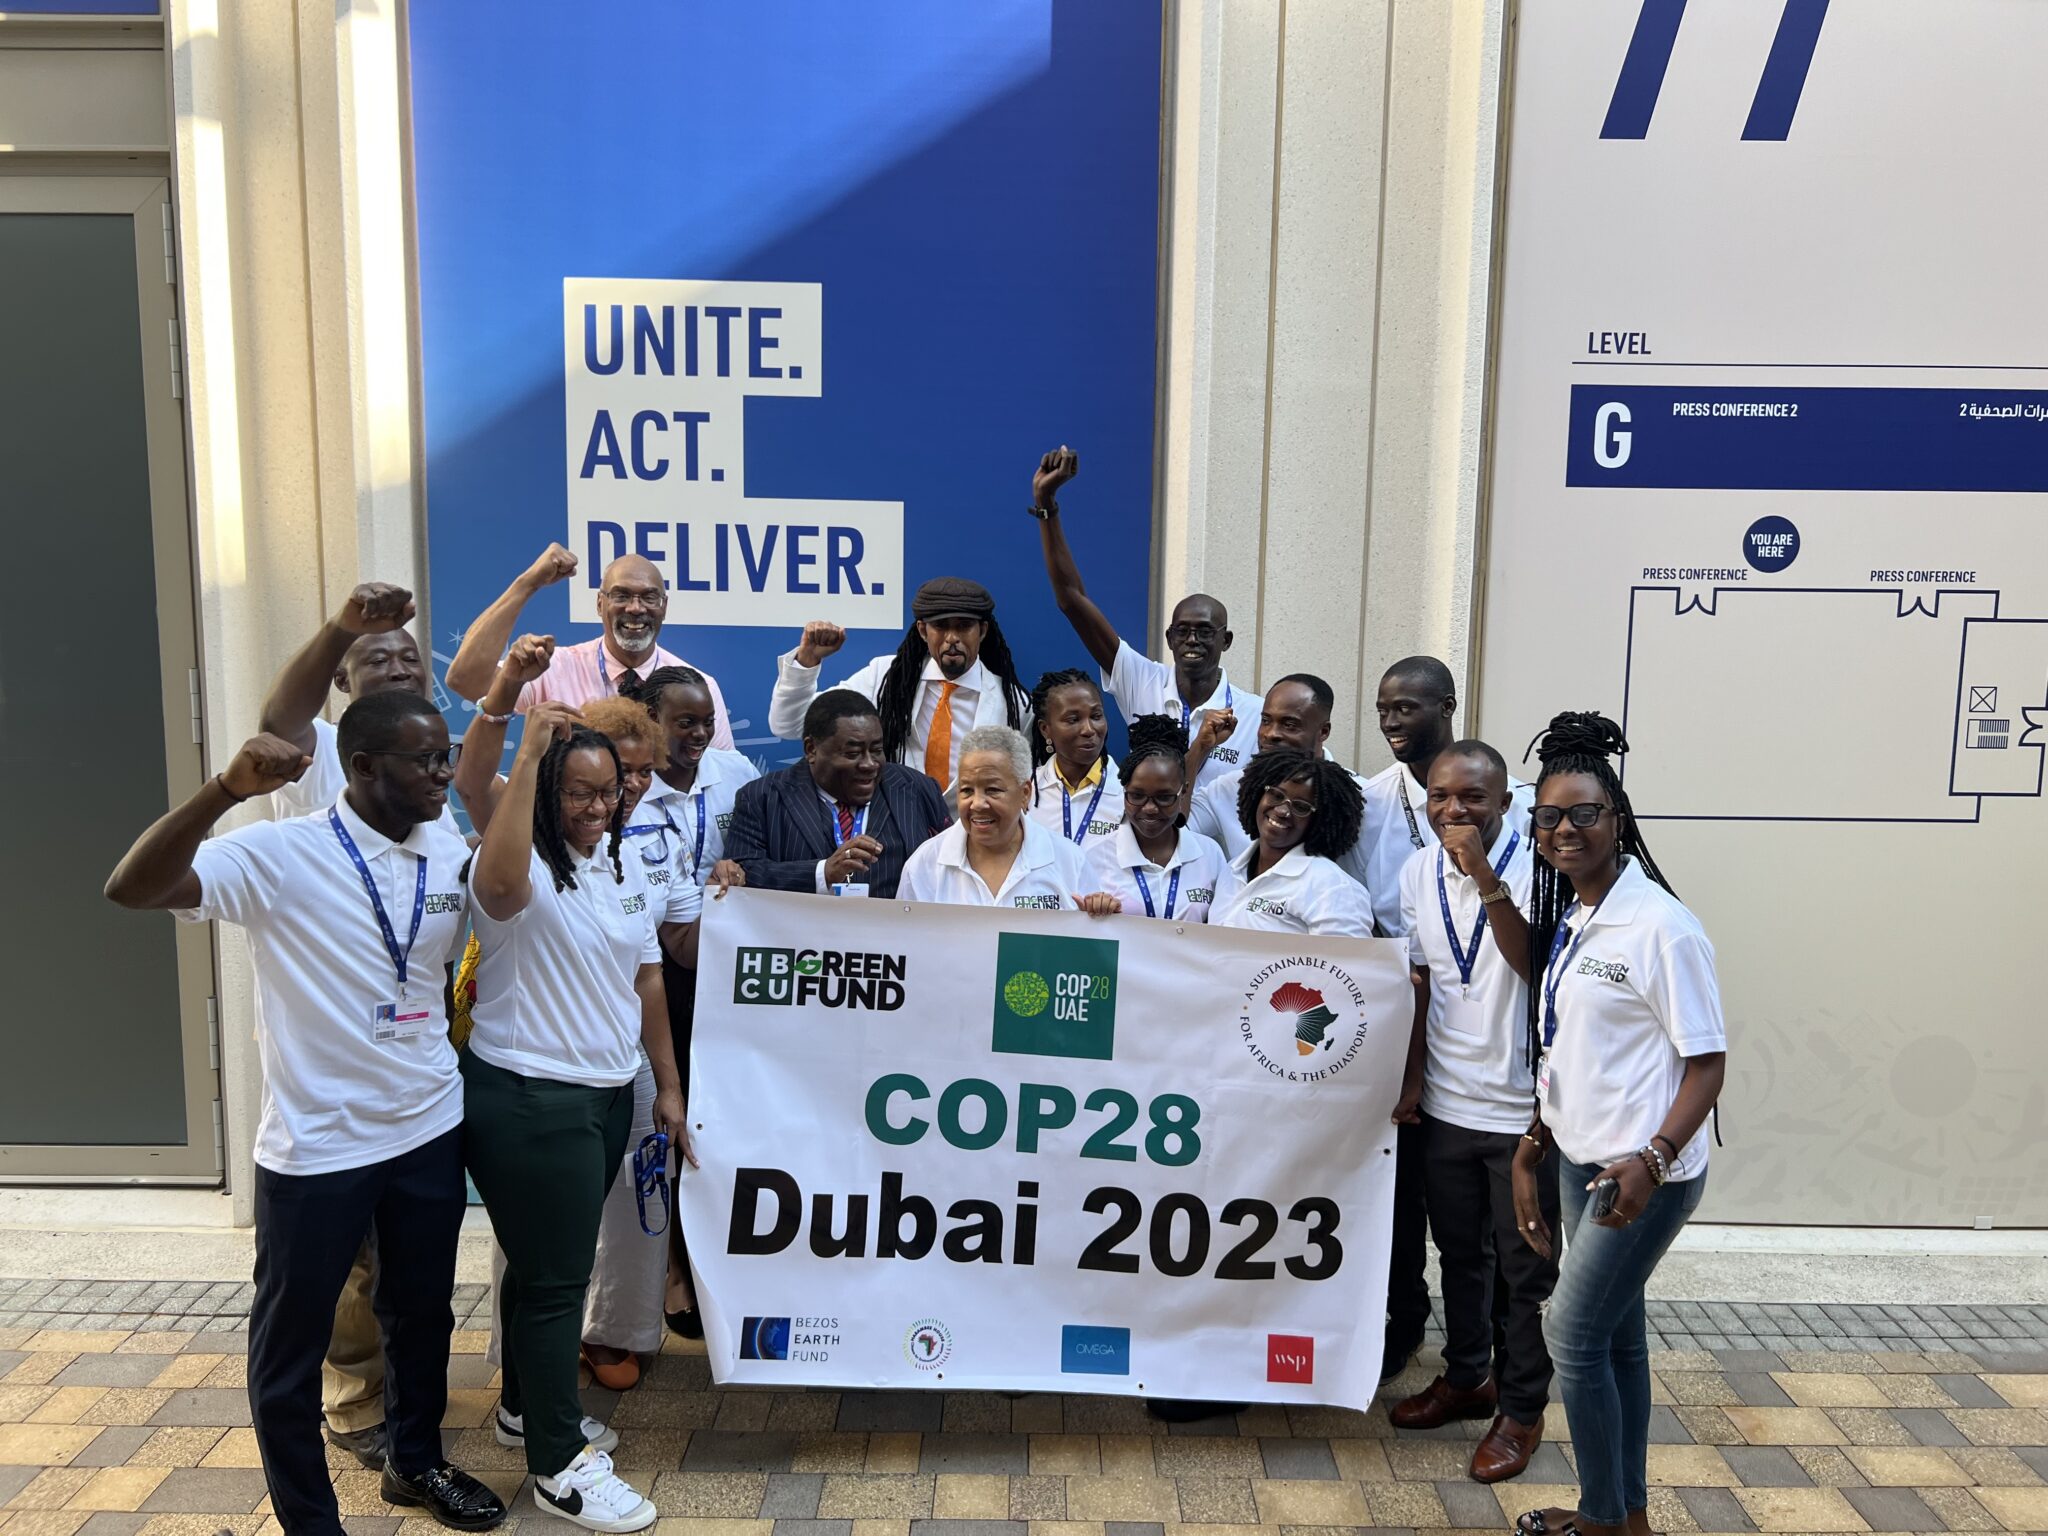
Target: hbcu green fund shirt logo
(1055, 996)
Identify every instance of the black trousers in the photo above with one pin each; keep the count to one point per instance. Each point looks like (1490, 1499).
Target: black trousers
(308, 1229)
(1472, 1217)
(1408, 1253)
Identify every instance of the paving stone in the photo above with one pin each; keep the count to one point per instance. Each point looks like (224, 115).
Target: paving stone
(1468, 1504)
(1756, 1389)
(1970, 1391)
(792, 1495)
(1038, 1498)
(1891, 1509)
(1666, 1428)
(810, 1527)
(113, 1447)
(1297, 1458)
(891, 1411)
(1197, 1456)
(1748, 1361)
(111, 1522)
(2035, 1456)
(976, 1453)
(944, 1527)
(221, 1406)
(208, 1490)
(723, 1450)
(1766, 1466)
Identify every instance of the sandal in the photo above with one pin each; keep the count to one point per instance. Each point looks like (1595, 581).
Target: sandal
(1533, 1524)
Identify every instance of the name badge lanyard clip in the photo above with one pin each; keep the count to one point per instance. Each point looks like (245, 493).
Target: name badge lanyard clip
(1172, 890)
(1467, 959)
(656, 852)
(419, 901)
(1187, 713)
(1087, 816)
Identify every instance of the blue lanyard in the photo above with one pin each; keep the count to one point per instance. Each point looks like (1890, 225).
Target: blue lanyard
(1553, 973)
(658, 853)
(1467, 959)
(1067, 806)
(1187, 712)
(860, 821)
(1172, 890)
(697, 855)
(419, 898)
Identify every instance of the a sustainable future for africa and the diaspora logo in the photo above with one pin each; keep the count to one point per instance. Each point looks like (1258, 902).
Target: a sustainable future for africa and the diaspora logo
(1055, 996)
(928, 1344)
(1302, 1019)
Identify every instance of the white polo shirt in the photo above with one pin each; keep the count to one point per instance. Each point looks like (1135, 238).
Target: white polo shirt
(657, 839)
(1196, 878)
(707, 803)
(1303, 893)
(1636, 995)
(1047, 873)
(1142, 686)
(324, 780)
(554, 985)
(333, 1096)
(1214, 815)
(1477, 1072)
(1083, 819)
(1397, 823)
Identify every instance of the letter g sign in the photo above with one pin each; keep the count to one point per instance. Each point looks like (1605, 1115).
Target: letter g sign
(1610, 442)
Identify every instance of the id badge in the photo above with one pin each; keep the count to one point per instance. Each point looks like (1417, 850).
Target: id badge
(844, 888)
(399, 1021)
(1543, 1077)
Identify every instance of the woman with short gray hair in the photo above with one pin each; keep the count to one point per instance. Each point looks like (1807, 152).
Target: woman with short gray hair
(995, 855)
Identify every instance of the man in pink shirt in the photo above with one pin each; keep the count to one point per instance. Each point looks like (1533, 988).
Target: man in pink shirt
(631, 604)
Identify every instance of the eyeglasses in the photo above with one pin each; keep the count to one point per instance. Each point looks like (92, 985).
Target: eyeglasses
(619, 597)
(426, 762)
(584, 799)
(650, 1180)
(1302, 808)
(1164, 802)
(1585, 814)
(1179, 632)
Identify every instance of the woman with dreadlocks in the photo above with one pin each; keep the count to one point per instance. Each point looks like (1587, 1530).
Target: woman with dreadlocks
(1075, 791)
(952, 673)
(568, 992)
(1154, 864)
(1626, 1032)
(1301, 813)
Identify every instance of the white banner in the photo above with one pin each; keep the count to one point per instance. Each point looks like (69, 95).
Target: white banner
(968, 1148)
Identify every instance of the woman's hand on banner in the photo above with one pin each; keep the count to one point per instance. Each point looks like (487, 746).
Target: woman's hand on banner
(725, 875)
(671, 1118)
(1100, 904)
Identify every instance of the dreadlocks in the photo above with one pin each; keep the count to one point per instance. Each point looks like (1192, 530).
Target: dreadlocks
(548, 840)
(1340, 809)
(1574, 743)
(897, 697)
(1154, 736)
(1050, 683)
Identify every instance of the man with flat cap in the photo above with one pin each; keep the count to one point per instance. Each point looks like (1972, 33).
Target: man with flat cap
(952, 672)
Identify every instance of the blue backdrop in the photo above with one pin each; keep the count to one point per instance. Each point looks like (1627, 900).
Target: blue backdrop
(974, 185)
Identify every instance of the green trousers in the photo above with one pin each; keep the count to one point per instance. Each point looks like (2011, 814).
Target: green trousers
(543, 1155)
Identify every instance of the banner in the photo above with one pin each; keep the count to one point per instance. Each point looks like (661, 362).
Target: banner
(961, 1147)
(788, 298)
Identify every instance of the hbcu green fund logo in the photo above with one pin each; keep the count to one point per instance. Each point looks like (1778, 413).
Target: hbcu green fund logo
(1055, 996)
(826, 978)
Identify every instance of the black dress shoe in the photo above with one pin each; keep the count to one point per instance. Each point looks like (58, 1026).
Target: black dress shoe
(449, 1494)
(366, 1445)
(686, 1324)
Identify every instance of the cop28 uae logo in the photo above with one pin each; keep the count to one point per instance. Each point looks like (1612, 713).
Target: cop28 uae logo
(929, 1344)
(1302, 1019)
(1055, 996)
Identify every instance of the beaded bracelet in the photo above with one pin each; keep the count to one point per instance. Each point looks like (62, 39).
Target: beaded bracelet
(1653, 1160)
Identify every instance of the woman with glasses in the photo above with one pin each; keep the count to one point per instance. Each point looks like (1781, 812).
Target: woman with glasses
(568, 993)
(1301, 813)
(1626, 1032)
(1154, 864)
(687, 808)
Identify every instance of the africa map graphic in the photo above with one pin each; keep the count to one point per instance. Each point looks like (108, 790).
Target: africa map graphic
(1312, 1016)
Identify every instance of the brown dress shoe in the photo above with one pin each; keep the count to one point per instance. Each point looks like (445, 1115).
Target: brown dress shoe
(1506, 1450)
(1440, 1402)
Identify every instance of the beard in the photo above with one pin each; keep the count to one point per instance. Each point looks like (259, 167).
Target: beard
(638, 644)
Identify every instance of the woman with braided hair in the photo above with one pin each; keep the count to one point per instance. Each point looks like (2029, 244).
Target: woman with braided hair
(1301, 813)
(1626, 1032)
(1075, 791)
(1154, 864)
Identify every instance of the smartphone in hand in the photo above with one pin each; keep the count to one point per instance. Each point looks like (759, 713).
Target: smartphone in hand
(1605, 1193)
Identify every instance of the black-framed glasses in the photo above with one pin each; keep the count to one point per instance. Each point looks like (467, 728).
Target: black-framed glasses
(584, 799)
(650, 1179)
(1301, 808)
(619, 597)
(1179, 632)
(1160, 802)
(426, 762)
(1585, 814)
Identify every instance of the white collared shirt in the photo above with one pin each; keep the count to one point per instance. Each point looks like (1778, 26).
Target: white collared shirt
(661, 839)
(1214, 814)
(332, 1096)
(1303, 893)
(324, 780)
(1391, 833)
(1636, 996)
(977, 700)
(717, 785)
(1047, 873)
(554, 987)
(1142, 686)
(1083, 819)
(1196, 878)
(1477, 1072)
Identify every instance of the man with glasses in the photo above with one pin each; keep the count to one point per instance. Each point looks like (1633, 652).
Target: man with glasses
(843, 821)
(352, 915)
(1193, 689)
(632, 602)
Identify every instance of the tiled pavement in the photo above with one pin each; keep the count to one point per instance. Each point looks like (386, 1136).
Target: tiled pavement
(131, 1417)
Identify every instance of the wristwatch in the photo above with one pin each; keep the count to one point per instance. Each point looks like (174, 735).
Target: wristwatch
(1042, 513)
(1499, 893)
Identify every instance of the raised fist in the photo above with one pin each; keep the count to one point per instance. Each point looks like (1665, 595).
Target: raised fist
(819, 641)
(1054, 471)
(265, 763)
(375, 608)
(555, 564)
(528, 658)
(1217, 727)
(1463, 848)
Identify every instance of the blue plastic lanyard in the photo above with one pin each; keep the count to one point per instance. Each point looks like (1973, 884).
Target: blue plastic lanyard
(1187, 711)
(1465, 959)
(658, 854)
(1067, 807)
(419, 898)
(697, 855)
(1172, 890)
(860, 821)
(1553, 973)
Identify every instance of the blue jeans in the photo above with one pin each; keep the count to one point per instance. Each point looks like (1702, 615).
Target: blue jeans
(1595, 1331)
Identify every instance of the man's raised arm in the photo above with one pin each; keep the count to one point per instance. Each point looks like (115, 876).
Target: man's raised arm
(300, 687)
(1089, 621)
(476, 660)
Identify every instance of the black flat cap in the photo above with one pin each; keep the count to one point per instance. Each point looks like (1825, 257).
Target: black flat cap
(943, 596)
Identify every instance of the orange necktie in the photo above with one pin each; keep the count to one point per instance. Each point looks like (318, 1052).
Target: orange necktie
(938, 745)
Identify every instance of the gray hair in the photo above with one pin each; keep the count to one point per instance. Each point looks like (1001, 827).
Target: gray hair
(1002, 741)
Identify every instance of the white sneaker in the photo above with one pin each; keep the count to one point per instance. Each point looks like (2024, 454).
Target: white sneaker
(511, 1429)
(590, 1493)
